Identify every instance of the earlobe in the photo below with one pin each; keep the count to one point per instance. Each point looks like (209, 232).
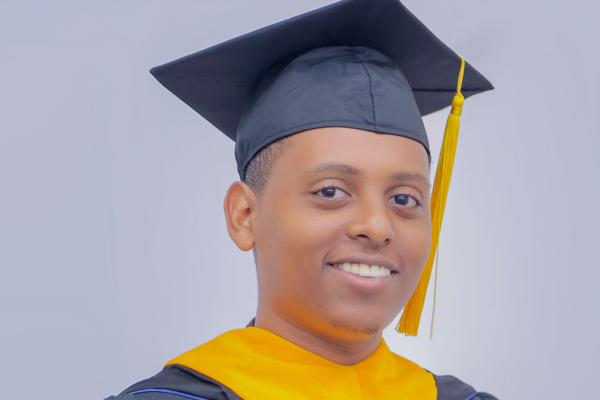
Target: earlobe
(239, 206)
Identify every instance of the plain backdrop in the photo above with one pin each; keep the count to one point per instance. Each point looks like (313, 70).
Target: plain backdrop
(114, 256)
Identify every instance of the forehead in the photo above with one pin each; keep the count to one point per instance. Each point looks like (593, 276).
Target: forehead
(367, 152)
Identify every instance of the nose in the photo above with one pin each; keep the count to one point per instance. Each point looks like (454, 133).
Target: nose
(372, 222)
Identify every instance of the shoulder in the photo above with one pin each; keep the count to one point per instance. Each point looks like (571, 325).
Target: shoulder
(451, 388)
(448, 387)
(176, 382)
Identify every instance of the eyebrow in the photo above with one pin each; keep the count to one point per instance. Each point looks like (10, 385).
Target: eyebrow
(350, 170)
(332, 167)
(408, 176)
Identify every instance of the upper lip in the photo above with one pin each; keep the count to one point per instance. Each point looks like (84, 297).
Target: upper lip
(369, 260)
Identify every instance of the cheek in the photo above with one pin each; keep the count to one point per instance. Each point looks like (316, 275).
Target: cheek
(292, 243)
(308, 238)
(415, 242)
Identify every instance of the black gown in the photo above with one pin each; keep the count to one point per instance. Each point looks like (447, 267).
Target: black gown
(176, 382)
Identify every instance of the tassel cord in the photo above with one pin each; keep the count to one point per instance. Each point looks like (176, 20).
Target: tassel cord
(409, 322)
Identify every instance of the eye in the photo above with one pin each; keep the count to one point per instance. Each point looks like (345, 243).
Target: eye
(331, 193)
(405, 200)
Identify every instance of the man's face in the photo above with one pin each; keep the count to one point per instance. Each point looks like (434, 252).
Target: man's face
(343, 196)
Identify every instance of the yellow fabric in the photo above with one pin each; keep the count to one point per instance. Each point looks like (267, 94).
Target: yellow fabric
(258, 365)
(409, 323)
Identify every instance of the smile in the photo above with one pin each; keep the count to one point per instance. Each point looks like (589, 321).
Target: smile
(373, 271)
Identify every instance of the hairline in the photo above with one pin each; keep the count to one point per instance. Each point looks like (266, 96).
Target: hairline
(261, 165)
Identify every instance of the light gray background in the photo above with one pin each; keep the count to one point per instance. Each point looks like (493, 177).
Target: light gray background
(113, 250)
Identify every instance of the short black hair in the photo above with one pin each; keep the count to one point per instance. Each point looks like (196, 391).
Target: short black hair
(259, 168)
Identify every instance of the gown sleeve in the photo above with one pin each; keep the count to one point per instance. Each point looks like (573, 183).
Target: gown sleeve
(451, 388)
(176, 382)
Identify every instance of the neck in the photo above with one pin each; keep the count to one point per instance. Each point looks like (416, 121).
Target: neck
(337, 350)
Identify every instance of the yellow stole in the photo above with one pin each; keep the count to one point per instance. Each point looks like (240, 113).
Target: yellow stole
(258, 365)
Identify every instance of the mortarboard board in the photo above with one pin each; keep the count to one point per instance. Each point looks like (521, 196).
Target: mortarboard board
(365, 64)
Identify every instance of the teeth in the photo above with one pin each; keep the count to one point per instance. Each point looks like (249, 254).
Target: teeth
(364, 270)
(373, 271)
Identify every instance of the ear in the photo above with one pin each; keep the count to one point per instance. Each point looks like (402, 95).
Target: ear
(240, 205)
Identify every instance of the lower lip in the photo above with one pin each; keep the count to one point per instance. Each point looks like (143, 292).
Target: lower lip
(363, 283)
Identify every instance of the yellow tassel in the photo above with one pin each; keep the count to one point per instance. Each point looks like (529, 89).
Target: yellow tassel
(409, 323)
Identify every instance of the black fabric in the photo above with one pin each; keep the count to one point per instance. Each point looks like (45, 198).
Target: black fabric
(451, 388)
(148, 396)
(181, 379)
(367, 64)
(353, 87)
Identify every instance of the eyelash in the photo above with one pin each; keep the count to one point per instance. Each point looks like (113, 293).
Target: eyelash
(415, 198)
(316, 193)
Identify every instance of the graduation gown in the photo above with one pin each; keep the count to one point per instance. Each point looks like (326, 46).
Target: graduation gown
(253, 363)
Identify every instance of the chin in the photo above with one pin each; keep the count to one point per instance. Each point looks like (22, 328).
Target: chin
(355, 329)
(357, 318)
(355, 326)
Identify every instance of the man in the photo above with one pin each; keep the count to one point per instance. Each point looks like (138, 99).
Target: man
(334, 201)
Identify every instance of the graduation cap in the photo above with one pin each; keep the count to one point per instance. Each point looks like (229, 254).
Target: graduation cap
(365, 64)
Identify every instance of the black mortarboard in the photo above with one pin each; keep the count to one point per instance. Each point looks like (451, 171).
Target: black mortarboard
(366, 64)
